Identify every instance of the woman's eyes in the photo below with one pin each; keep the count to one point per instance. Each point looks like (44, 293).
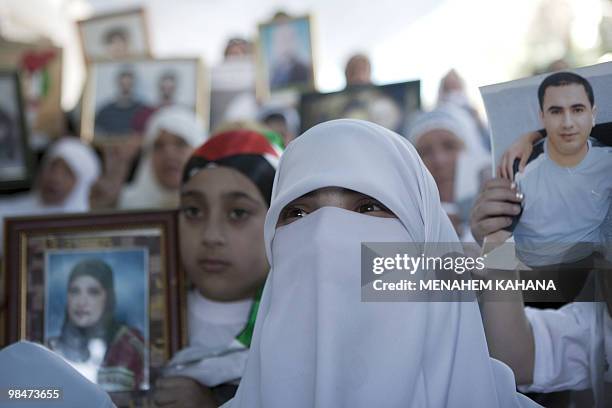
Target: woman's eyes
(191, 212)
(94, 292)
(369, 207)
(239, 214)
(372, 206)
(292, 213)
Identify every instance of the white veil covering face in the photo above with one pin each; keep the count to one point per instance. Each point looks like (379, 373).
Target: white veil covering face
(315, 343)
(146, 191)
(27, 366)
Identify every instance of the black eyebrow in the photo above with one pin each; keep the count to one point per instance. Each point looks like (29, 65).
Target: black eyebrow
(233, 195)
(578, 105)
(194, 193)
(574, 106)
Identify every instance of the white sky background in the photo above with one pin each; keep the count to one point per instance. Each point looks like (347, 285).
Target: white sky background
(484, 40)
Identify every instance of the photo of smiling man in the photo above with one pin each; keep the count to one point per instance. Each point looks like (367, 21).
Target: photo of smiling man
(566, 189)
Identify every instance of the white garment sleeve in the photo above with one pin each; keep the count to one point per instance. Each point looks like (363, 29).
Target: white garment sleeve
(562, 347)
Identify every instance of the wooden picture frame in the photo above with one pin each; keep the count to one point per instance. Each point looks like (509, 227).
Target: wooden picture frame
(16, 169)
(104, 89)
(101, 35)
(45, 258)
(390, 105)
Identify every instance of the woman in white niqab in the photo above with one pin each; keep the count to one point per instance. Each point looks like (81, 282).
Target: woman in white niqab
(315, 343)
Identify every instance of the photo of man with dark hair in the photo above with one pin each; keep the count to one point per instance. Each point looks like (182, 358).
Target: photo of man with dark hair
(567, 188)
(117, 117)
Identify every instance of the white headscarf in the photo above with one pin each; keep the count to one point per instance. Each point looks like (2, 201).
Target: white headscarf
(315, 343)
(146, 191)
(27, 365)
(85, 167)
(472, 159)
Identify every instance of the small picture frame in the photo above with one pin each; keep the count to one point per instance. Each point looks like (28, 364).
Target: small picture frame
(40, 71)
(15, 154)
(390, 105)
(122, 95)
(232, 91)
(101, 290)
(285, 56)
(116, 35)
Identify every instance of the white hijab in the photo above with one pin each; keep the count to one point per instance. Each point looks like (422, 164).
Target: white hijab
(473, 158)
(315, 343)
(27, 365)
(146, 191)
(85, 167)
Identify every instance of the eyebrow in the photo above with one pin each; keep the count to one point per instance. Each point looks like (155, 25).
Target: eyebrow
(576, 105)
(233, 195)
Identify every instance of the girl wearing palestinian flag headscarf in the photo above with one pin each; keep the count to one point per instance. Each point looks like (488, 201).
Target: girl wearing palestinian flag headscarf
(225, 194)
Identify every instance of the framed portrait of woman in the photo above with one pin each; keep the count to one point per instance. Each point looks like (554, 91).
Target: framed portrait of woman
(100, 290)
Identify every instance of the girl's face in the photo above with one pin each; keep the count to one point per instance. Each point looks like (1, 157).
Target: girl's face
(170, 154)
(221, 224)
(86, 301)
(332, 197)
(56, 182)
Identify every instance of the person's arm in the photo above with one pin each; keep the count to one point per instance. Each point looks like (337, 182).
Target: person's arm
(521, 149)
(508, 332)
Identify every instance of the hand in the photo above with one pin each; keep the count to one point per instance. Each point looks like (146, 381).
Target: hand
(182, 392)
(495, 206)
(105, 192)
(520, 149)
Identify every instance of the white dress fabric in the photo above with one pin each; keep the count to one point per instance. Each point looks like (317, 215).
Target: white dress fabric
(146, 191)
(573, 349)
(27, 365)
(213, 356)
(315, 343)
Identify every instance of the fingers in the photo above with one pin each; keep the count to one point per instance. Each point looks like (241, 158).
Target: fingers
(503, 166)
(524, 159)
(497, 183)
(174, 382)
(500, 195)
(164, 397)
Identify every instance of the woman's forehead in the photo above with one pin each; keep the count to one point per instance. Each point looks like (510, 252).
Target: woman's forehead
(331, 192)
(220, 181)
